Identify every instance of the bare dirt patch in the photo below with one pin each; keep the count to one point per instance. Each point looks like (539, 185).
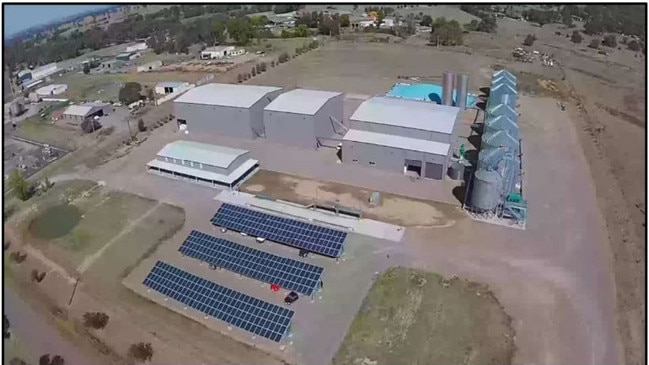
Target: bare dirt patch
(415, 317)
(392, 208)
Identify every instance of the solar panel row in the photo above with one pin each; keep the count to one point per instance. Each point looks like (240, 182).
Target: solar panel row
(306, 236)
(261, 318)
(259, 265)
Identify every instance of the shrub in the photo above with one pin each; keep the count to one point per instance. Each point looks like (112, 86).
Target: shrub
(17, 361)
(57, 360)
(529, 40)
(272, 63)
(96, 320)
(594, 43)
(239, 78)
(576, 37)
(141, 351)
(38, 276)
(258, 68)
(610, 41)
(140, 126)
(44, 360)
(18, 257)
(634, 45)
(254, 72)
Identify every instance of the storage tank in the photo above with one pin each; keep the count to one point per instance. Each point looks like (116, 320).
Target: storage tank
(499, 139)
(456, 170)
(501, 123)
(447, 88)
(16, 108)
(462, 87)
(485, 195)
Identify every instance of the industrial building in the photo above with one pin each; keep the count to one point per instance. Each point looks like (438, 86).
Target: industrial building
(169, 87)
(77, 114)
(127, 56)
(402, 136)
(137, 47)
(38, 73)
(407, 118)
(225, 109)
(305, 118)
(50, 90)
(204, 164)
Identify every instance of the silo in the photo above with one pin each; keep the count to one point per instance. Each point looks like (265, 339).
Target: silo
(485, 194)
(501, 123)
(447, 88)
(489, 158)
(499, 139)
(462, 86)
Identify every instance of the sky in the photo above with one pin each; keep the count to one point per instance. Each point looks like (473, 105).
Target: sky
(20, 17)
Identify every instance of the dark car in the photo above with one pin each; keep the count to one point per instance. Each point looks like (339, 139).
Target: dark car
(291, 298)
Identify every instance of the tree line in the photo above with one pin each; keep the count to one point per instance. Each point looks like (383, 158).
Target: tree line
(169, 33)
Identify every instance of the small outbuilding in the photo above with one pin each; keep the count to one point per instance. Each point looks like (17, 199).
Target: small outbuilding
(217, 52)
(305, 118)
(77, 114)
(225, 109)
(204, 164)
(51, 90)
(169, 87)
(151, 66)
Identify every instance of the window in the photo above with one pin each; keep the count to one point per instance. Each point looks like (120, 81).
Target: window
(166, 159)
(191, 164)
(200, 165)
(182, 162)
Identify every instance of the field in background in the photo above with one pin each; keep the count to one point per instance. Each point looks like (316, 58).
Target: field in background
(414, 317)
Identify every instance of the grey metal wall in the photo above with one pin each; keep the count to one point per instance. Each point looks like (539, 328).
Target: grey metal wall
(290, 129)
(404, 132)
(257, 113)
(388, 158)
(212, 119)
(192, 164)
(325, 131)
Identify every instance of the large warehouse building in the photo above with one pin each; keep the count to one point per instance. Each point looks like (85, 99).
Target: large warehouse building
(205, 164)
(225, 109)
(402, 136)
(305, 118)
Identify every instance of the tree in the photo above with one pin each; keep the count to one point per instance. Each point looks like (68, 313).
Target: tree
(471, 27)
(21, 187)
(487, 24)
(141, 351)
(239, 78)
(576, 37)
(380, 15)
(44, 360)
(240, 30)
(426, 21)
(140, 127)
(258, 68)
(594, 43)
(634, 45)
(253, 72)
(344, 21)
(610, 41)
(57, 360)
(130, 93)
(98, 320)
(218, 32)
(86, 68)
(17, 361)
(150, 94)
(262, 66)
(529, 40)
(446, 33)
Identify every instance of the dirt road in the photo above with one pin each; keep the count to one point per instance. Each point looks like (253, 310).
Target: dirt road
(39, 335)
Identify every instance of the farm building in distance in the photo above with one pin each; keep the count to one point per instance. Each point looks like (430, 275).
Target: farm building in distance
(149, 66)
(205, 164)
(137, 47)
(164, 88)
(305, 118)
(127, 56)
(403, 136)
(51, 90)
(217, 52)
(77, 114)
(225, 109)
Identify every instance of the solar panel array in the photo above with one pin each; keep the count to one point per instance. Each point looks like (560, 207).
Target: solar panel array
(259, 265)
(306, 236)
(261, 318)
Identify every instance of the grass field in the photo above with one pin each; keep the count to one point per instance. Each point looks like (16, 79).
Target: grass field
(104, 214)
(414, 317)
(39, 130)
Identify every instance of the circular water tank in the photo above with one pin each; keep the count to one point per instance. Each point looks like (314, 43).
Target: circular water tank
(456, 170)
(486, 190)
(488, 158)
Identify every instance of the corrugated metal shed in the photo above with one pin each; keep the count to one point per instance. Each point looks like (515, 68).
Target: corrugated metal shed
(208, 154)
(172, 84)
(405, 143)
(301, 101)
(79, 110)
(406, 113)
(240, 96)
